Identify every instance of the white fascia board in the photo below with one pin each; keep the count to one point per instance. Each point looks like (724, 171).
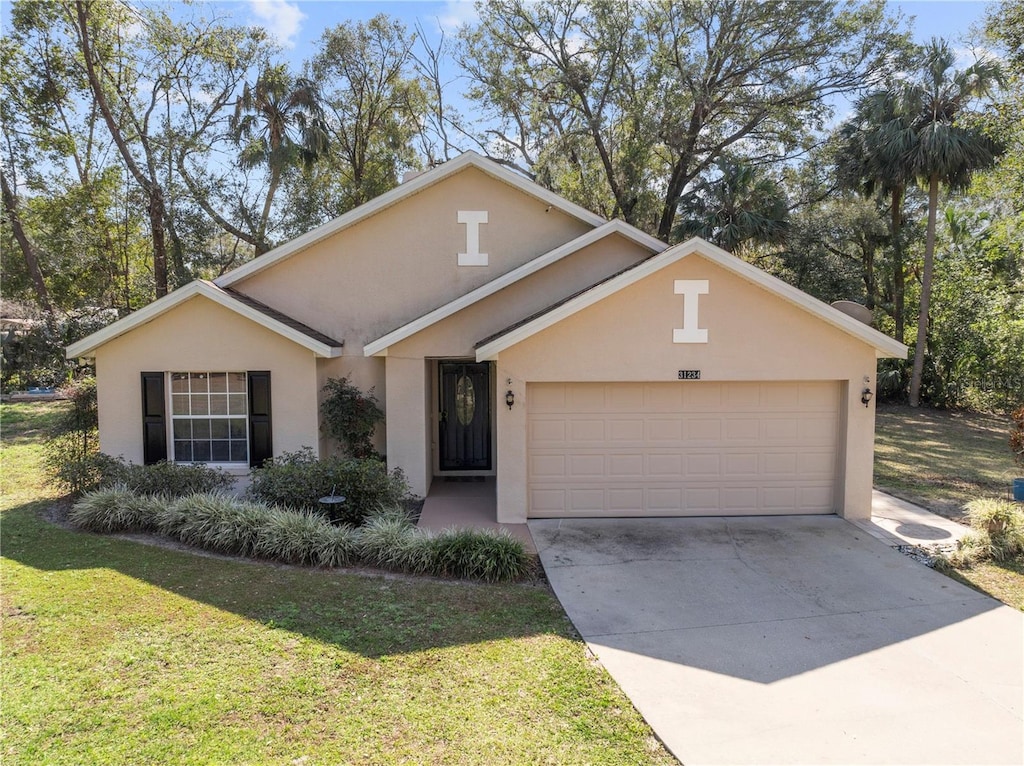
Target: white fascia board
(400, 192)
(380, 346)
(88, 345)
(883, 344)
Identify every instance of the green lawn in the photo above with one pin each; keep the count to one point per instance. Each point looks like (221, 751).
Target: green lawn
(119, 652)
(941, 460)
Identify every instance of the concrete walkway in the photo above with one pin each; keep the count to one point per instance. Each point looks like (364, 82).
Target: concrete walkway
(467, 502)
(793, 639)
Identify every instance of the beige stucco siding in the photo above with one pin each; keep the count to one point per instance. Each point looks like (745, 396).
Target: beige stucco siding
(198, 336)
(401, 263)
(457, 335)
(753, 335)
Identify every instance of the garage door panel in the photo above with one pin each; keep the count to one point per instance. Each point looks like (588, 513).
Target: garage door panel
(682, 449)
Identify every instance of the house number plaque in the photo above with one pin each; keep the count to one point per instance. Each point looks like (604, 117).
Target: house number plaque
(689, 374)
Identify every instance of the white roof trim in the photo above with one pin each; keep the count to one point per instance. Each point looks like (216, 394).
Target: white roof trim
(86, 346)
(400, 192)
(883, 344)
(380, 346)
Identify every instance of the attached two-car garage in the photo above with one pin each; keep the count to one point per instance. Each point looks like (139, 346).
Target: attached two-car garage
(684, 448)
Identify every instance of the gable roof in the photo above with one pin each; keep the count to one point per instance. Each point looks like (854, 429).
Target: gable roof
(400, 192)
(380, 346)
(489, 348)
(250, 308)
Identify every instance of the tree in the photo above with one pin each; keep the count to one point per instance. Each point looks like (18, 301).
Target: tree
(278, 123)
(931, 134)
(739, 204)
(864, 164)
(623, 106)
(373, 106)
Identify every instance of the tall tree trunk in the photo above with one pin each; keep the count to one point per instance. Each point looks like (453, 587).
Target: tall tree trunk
(926, 293)
(27, 248)
(154, 193)
(898, 275)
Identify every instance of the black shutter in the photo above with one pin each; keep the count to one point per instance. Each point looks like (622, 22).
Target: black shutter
(154, 418)
(261, 445)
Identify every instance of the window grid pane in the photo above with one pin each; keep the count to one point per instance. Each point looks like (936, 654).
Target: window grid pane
(209, 424)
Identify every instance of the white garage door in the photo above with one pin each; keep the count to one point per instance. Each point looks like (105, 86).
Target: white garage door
(682, 449)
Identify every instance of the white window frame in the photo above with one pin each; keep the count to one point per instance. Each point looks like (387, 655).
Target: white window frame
(229, 465)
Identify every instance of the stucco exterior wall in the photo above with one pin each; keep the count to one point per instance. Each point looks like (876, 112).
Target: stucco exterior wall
(401, 263)
(199, 336)
(752, 335)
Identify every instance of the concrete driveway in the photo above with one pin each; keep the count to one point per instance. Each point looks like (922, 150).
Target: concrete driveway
(791, 640)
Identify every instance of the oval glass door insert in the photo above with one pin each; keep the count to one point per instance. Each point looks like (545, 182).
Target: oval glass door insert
(465, 400)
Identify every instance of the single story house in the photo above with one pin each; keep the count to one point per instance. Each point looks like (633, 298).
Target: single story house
(586, 366)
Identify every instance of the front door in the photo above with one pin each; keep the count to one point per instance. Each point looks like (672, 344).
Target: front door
(464, 432)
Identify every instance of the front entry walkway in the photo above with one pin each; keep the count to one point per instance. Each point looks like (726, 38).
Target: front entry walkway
(467, 501)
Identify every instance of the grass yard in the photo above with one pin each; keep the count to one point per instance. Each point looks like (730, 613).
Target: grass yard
(119, 652)
(941, 460)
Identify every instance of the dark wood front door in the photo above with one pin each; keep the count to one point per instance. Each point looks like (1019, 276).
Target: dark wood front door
(464, 437)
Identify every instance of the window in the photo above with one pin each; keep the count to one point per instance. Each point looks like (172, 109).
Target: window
(209, 417)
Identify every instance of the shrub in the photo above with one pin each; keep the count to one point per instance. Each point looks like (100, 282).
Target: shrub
(72, 456)
(479, 554)
(294, 537)
(116, 509)
(218, 522)
(338, 546)
(997, 533)
(169, 480)
(76, 465)
(350, 416)
(297, 480)
(1017, 435)
(393, 543)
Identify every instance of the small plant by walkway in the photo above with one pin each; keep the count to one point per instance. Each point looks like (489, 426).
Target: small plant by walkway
(117, 652)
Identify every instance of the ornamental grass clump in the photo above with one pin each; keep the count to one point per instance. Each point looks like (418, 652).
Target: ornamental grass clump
(217, 522)
(491, 555)
(338, 546)
(997, 533)
(391, 543)
(294, 537)
(116, 509)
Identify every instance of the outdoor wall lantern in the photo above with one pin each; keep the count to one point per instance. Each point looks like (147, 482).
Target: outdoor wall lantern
(865, 396)
(510, 398)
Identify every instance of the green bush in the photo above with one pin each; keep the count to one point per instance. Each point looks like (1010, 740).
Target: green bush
(294, 537)
(350, 416)
(391, 543)
(76, 465)
(298, 480)
(218, 522)
(479, 554)
(168, 479)
(997, 533)
(116, 509)
(338, 546)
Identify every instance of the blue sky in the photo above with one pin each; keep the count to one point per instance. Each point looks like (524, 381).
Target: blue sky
(298, 23)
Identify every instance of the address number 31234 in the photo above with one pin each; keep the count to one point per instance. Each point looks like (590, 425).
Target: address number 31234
(689, 375)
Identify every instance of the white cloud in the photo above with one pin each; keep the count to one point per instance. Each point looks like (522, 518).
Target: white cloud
(280, 18)
(456, 13)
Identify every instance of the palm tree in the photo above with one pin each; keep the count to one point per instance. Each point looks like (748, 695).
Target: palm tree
(740, 204)
(864, 165)
(929, 136)
(279, 123)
